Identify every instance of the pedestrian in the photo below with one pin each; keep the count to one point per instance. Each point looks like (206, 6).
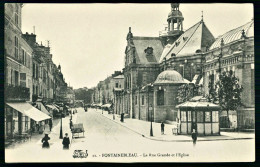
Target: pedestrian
(45, 141)
(66, 142)
(71, 124)
(43, 124)
(41, 128)
(162, 128)
(37, 126)
(194, 136)
(50, 124)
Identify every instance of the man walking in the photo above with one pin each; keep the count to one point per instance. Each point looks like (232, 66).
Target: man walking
(66, 142)
(162, 128)
(194, 136)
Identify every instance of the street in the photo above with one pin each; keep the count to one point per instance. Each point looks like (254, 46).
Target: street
(105, 139)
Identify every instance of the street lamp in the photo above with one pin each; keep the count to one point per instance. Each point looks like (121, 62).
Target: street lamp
(61, 133)
(150, 108)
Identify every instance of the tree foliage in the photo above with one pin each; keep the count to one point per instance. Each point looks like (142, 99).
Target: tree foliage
(229, 91)
(186, 92)
(213, 96)
(83, 94)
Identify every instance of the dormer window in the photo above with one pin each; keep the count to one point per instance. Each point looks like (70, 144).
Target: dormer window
(173, 55)
(177, 43)
(149, 51)
(185, 38)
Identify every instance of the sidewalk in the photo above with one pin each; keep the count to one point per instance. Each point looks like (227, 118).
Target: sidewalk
(143, 128)
(55, 133)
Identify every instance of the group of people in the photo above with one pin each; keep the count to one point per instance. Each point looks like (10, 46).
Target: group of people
(65, 141)
(40, 126)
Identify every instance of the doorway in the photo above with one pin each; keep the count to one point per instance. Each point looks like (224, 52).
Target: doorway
(193, 120)
(16, 78)
(19, 123)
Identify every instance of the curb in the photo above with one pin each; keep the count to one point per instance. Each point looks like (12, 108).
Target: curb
(122, 125)
(246, 138)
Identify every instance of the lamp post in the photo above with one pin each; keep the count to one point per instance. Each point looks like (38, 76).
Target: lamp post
(150, 108)
(61, 133)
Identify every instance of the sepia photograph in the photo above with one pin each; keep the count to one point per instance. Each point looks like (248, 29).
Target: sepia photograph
(129, 82)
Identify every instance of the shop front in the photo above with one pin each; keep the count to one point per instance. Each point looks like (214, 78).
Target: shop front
(19, 118)
(200, 115)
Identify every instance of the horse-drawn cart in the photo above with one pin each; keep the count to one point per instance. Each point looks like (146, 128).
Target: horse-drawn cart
(77, 129)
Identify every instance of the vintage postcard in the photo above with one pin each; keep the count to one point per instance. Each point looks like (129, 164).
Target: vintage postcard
(128, 82)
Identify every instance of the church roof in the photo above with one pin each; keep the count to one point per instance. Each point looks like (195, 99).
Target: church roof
(142, 43)
(235, 34)
(189, 42)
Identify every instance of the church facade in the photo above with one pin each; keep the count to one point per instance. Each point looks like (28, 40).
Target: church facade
(156, 66)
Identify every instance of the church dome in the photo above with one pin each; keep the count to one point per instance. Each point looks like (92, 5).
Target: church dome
(175, 14)
(169, 76)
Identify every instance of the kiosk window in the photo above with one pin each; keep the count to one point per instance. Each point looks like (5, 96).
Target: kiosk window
(189, 115)
(214, 116)
(207, 116)
(200, 116)
(183, 116)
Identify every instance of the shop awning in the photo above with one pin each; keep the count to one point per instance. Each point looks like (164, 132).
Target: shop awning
(106, 105)
(100, 104)
(195, 78)
(56, 106)
(29, 111)
(42, 108)
(201, 81)
(52, 107)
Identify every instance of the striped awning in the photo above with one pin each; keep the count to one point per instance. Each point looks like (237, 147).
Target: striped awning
(29, 111)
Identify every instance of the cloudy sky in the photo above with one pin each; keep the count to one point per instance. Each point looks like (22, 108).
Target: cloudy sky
(88, 40)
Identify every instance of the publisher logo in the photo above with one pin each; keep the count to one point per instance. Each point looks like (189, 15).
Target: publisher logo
(80, 154)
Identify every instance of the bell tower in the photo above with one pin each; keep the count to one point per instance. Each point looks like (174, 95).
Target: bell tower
(175, 24)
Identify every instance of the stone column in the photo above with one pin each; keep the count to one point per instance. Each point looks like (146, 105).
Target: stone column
(155, 104)
(172, 26)
(169, 26)
(131, 97)
(178, 25)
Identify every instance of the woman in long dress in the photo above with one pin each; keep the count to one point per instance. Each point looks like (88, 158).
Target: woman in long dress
(45, 141)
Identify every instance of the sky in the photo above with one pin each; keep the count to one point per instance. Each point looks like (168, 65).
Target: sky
(89, 40)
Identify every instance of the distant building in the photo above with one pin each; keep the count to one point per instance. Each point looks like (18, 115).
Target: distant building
(118, 90)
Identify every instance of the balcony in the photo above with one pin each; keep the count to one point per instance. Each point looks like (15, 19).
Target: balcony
(17, 93)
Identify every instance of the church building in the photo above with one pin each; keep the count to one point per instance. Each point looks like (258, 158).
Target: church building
(155, 67)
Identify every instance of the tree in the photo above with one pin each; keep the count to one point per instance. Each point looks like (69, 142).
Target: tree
(229, 91)
(213, 96)
(186, 92)
(83, 94)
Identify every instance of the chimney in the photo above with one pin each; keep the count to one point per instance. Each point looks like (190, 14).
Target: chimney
(30, 38)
